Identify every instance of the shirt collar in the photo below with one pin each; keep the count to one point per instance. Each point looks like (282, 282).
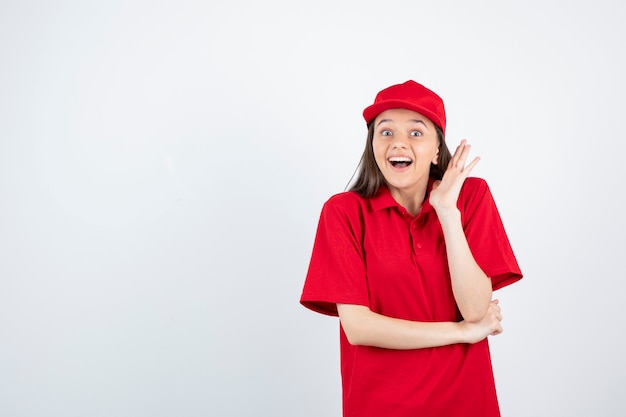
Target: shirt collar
(383, 198)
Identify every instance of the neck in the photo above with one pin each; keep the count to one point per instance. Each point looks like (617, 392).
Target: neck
(412, 200)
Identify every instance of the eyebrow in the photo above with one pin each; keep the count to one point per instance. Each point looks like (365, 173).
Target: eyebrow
(412, 120)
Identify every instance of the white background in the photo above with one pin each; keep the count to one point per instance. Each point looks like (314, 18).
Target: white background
(163, 164)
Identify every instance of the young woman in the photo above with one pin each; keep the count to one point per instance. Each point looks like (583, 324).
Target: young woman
(408, 259)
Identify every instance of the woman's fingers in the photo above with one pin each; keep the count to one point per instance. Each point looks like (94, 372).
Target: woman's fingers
(445, 193)
(460, 156)
(457, 153)
(471, 166)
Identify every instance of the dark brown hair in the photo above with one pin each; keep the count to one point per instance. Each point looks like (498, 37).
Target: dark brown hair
(369, 178)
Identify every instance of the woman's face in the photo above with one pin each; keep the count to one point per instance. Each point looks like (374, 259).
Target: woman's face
(405, 143)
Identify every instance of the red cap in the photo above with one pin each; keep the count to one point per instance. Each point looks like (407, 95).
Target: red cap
(411, 96)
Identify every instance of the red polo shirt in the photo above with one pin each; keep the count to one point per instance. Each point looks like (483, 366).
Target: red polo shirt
(372, 252)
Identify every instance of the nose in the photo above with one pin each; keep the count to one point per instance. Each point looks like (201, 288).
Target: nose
(400, 143)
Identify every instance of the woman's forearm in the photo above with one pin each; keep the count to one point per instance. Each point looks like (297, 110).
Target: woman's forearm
(471, 287)
(364, 327)
(367, 328)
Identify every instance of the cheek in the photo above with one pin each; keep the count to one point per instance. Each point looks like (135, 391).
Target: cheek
(380, 152)
(428, 151)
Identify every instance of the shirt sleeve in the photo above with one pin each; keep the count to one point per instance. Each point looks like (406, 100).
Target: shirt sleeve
(486, 235)
(336, 271)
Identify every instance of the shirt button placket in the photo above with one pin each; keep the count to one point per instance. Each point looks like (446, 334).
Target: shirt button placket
(417, 245)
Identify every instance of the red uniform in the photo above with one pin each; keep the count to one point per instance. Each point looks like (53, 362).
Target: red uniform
(372, 252)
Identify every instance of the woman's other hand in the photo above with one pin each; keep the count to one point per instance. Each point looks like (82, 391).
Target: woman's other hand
(489, 325)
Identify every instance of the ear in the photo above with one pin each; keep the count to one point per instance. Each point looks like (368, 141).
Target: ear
(435, 160)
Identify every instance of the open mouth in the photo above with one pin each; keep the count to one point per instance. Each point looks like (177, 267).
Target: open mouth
(400, 161)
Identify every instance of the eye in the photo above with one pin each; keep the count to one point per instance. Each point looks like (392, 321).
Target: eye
(416, 133)
(385, 132)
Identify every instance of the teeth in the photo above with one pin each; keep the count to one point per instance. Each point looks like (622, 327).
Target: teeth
(399, 159)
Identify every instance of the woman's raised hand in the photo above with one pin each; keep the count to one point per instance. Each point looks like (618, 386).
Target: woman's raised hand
(445, 193)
